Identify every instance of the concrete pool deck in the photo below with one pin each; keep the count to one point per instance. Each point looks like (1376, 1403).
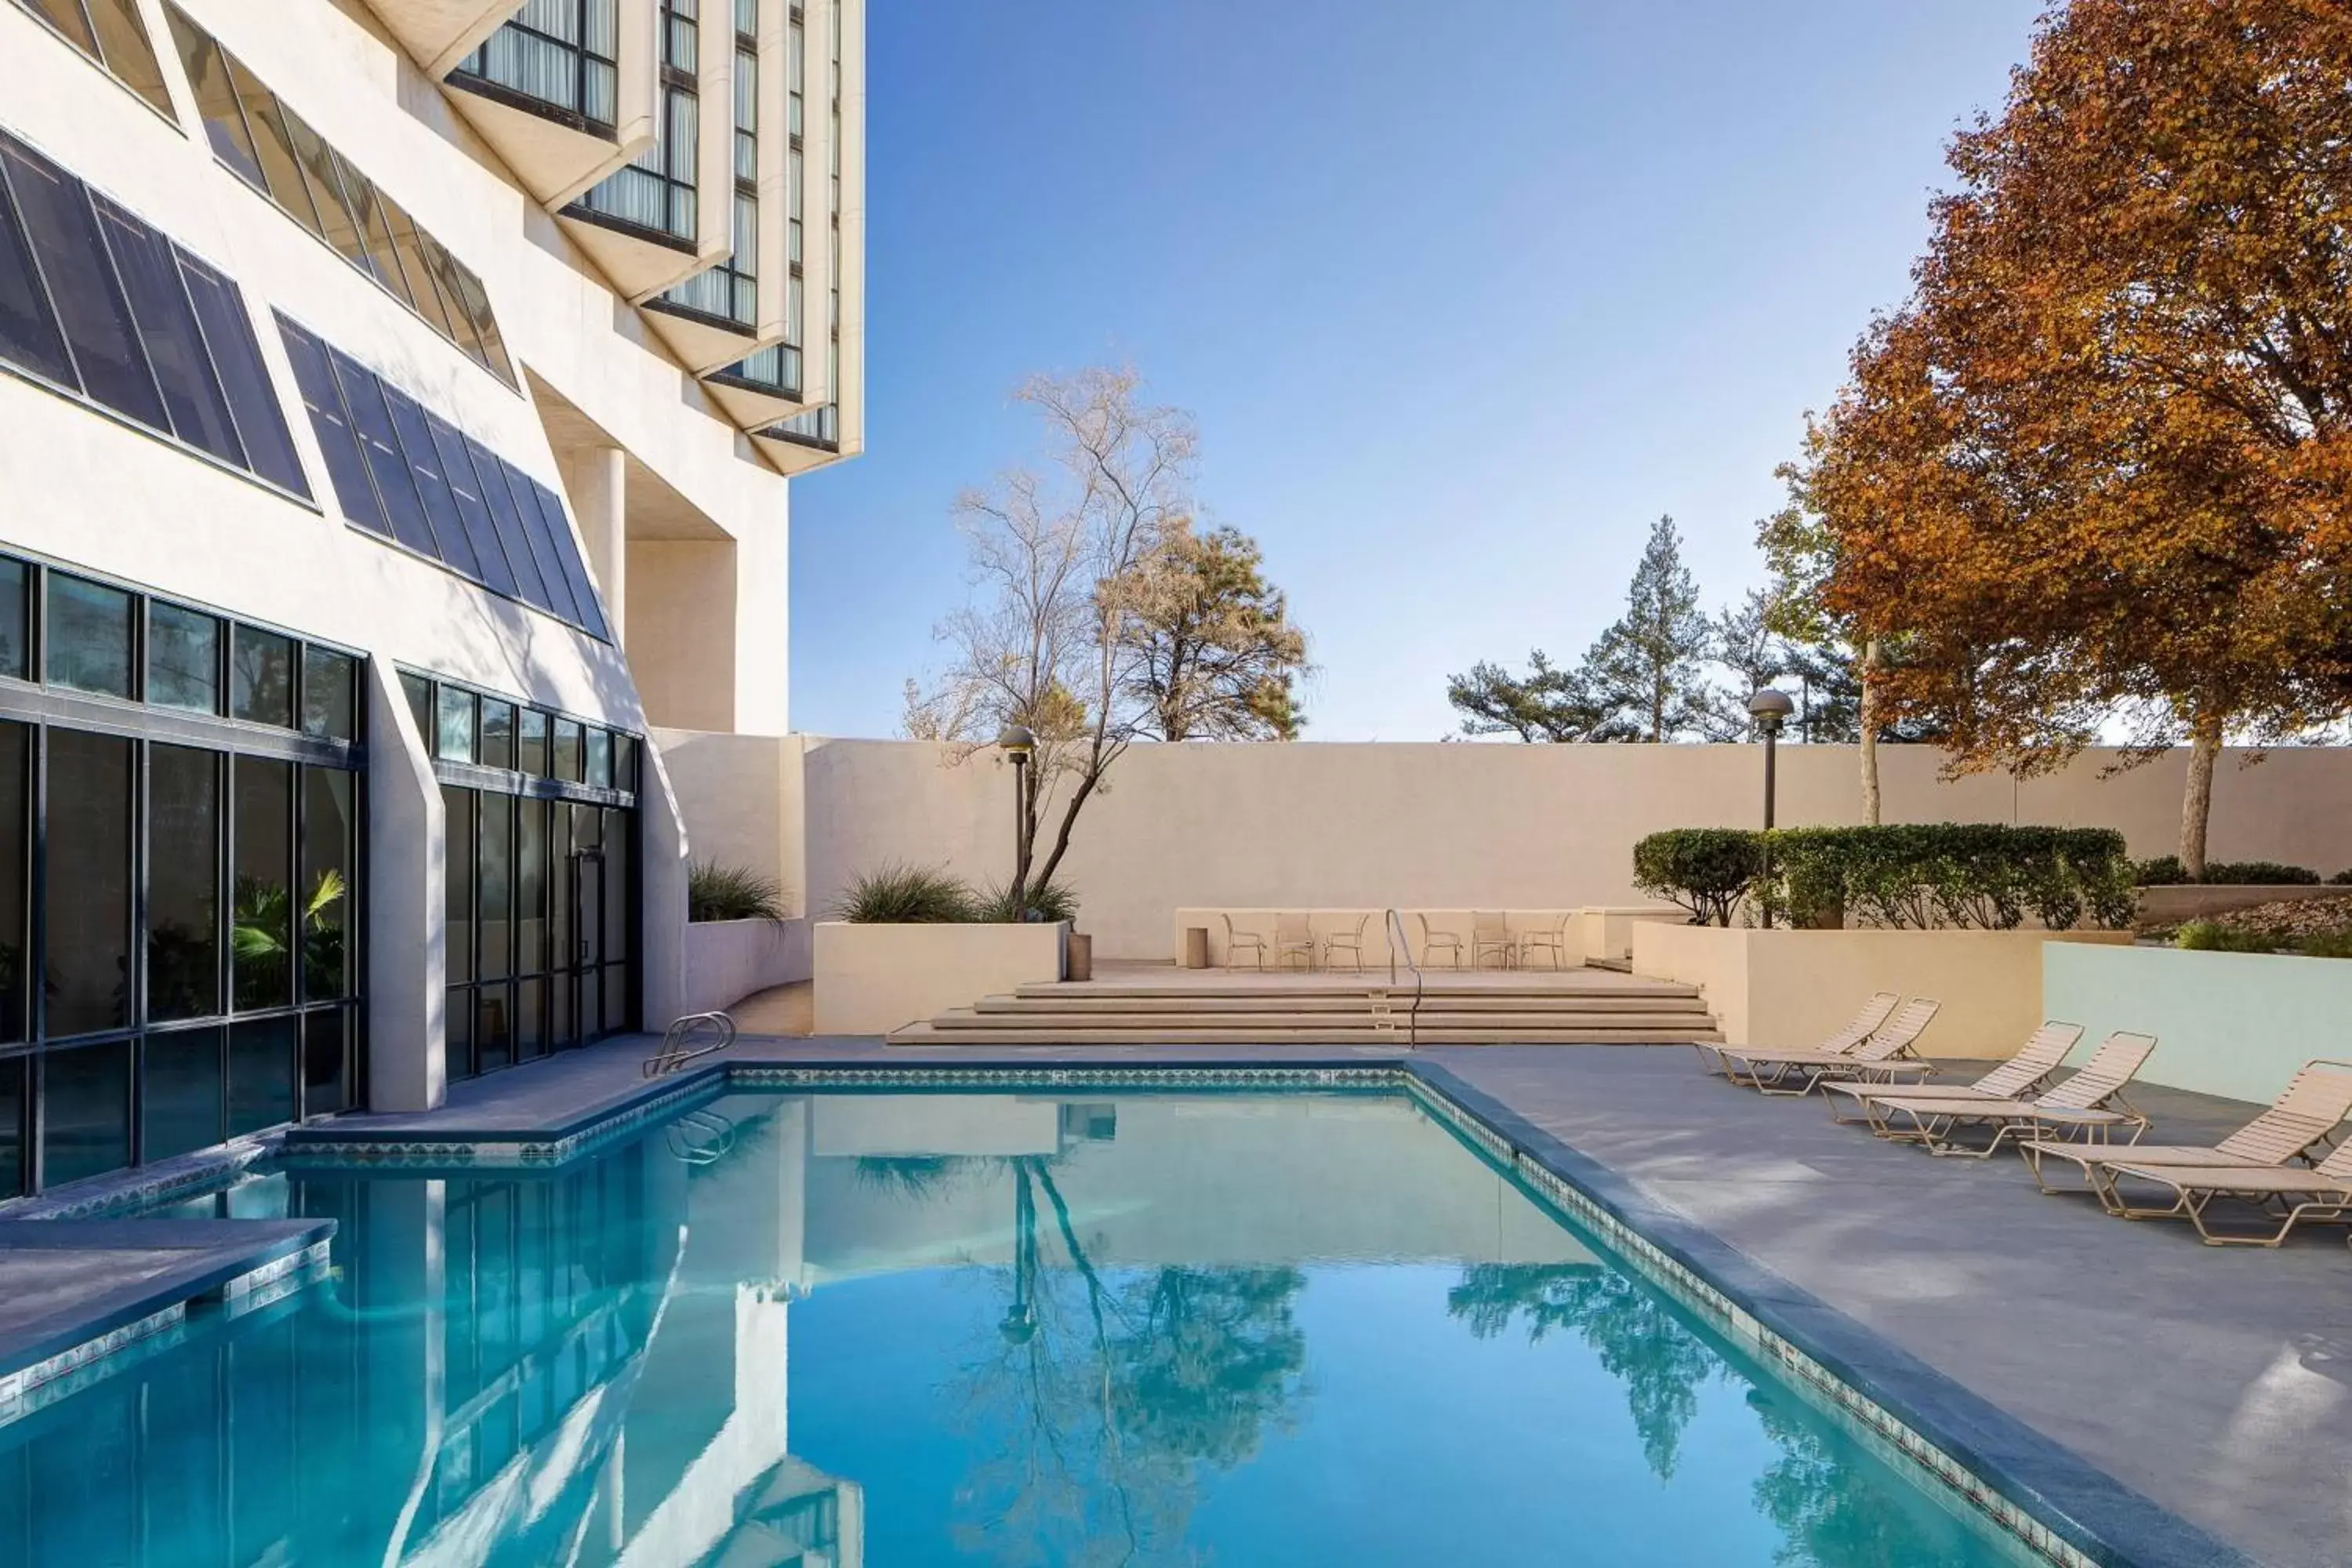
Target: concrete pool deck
(2215, 1383)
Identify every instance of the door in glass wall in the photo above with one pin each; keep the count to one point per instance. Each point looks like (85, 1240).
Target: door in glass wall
(588, 941)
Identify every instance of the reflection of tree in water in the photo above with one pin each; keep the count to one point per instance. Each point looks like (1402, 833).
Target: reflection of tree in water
(915, 1177)
(1835, 1513)
(1115, 1392)
(1635, 1336)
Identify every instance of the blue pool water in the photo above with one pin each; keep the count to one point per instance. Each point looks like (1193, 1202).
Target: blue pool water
(844, 1330)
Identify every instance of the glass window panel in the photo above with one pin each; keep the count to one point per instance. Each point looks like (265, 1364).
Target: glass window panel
(346, 468)
(15, 863)
(493, 1028)
(457, 882)
(183, 873)
(322, 172)
(326, 1062)
(262, 945)
(224, 124)
(252, 396)
(620, 914)
(184, 650)
(457, 1033)
(407, 245)
(16, 618)
(551, 536)
(29, 327)
(11, 1125)
(261, 678)
(444, 270)
(625, 763)
(66, 16)
(425, 467)
(261, 1054)
(82, 286)
(282, 169)
(86, 902)
(600, 758)
(531, 885)
(328, 681)
(329, 835)
(495, 906)
(466, 298)
(492, 477)
(89, 636)
(616, 996)
(498, 733)
(588, 990)
(371, 420)
(531, 744)
(559, 991)
(559, 886)
(184, 1093)
(419, 692)
(465, 491)
(559, 528)
(84, 1113)
(567, 750)
(530, 1019)
(123, 41)
(376, 235)
(193, 399)
(456, 743)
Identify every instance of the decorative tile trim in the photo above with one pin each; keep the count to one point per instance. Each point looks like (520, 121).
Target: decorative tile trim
(323, 1150)
(276, 1280)
(785, 1076)
(41, 1384)
(127, 1193)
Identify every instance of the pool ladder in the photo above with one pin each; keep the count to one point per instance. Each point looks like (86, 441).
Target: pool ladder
(1383, 1007)
(701, 1138)
(695, 1035)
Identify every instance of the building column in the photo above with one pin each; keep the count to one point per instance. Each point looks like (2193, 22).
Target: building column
(406, 910)
(600, 478)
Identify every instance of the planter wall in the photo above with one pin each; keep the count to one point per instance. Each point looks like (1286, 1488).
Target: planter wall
(872, 979)
(1795, 987)
(2194, 900)
(2234, 1024)
(727, 961)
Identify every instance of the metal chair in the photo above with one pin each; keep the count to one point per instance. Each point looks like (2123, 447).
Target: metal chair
(1438, 941)
(1294, 937)
(1240, 942)
(1349, 941)
(1552, 939)
(1490, 931)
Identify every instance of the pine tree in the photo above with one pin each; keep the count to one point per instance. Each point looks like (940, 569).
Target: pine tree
(1648, 671)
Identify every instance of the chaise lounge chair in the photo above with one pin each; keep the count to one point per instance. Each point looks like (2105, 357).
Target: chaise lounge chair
(1857, 1029)
(2290, 1194)
(1887, 1052)
(2302, 1119)
(2091, 1103)
(2043, 1054)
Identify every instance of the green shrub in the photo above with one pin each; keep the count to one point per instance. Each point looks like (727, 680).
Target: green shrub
(1706, 870)
(2163, 871)
(2341, 878)
(1049, 903)
(906, 895)
(2213, 936)
(715, 892)
(2272, 871)
(2327, 944)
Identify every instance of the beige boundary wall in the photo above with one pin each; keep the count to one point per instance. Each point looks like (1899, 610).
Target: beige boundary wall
(1413, 825)
(872, 979)
(1796, 987)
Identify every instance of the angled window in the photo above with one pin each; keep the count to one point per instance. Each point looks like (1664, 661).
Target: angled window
(109, 32)
(346, 468)
(432, 488)
(466, 491)
(237, 355)
(566, 551)
(82, 286)
(543, 551)
(29, 327)
(372, 422)
(217, 104)
(509, 524)
(193, 398)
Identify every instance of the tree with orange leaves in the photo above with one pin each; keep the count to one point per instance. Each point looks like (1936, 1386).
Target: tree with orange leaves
(2101, 462)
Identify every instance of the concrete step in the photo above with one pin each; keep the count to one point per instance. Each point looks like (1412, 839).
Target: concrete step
(1355, 988)
(1153, 1025)
(1072, 1001)
(931, 1034)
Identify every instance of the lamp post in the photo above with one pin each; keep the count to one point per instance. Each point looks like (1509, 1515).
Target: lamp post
(1018, 745)
(1770, 709)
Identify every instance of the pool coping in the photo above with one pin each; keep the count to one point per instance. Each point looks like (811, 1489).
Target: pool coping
(2035, 1490)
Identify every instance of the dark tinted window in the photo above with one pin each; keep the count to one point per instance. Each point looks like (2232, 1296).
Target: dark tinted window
(575, 571)
(264, 910)
(252, 397)
(457, 880)
(424, 467)
(419, 692)
(544, 548)
(346, 469)
(326, 1062)
(16, 824)
(455, 737)
(372, 421)
(87, 897)
(184, 817)
(492, 475)
(261, 678)
(28, 331)
(625, 763)
(567, 750)
(13, 1178)
(498, 733)
(495, 910)
(15, 619)
(182, 1092)
(328, 830)
(184, 650)
(465, 490)
(531, 744)
(261, 1073)
(329, 706)
(167, 326)
(89, 303)
(84, 1113)
(90, 636)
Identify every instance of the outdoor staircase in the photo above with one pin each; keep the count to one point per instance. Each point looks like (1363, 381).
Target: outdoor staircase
(1331, 1010)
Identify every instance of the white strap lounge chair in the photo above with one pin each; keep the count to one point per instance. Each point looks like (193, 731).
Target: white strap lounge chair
(1857, 1029)
(2089, 1106)
(1892, 1046)
(2285, 1192)
(2043, 1052)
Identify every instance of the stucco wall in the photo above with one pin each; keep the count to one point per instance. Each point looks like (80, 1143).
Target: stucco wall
(2235, 1023)
(727, 961)
(1426, 825)
(871, 979)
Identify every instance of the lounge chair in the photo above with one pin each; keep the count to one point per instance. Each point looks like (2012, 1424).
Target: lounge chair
(1351, 942)
(1889, 1050)
(2091, 1103)
(1857, 1029)
(1294, 937)
(1551, 939)
(2302, 1119)
(2289, 1193)
(1240, 942)
(2043, 1051)
(1436, 941)
(1490, 931)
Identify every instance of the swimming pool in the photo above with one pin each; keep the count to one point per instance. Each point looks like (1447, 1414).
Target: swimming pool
(912, 1329)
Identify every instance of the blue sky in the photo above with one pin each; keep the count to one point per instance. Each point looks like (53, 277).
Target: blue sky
(1463, 297)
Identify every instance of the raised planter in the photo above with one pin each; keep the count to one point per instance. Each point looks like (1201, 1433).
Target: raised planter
(1795, 987)
(727, 961)
(2171, 903)
(2234, 1024)
(872, 979)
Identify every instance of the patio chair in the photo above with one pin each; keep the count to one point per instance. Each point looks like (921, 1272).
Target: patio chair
(1351, 943)
(1294, 937)
(2286, 1194)
(1490, 931)
(1872, 1014)
(1434, 940)
(2091, 1103)
(2043, 1052)
(2304, 1118)
(1552, 939)
(1889, 1049)
(1239, 941)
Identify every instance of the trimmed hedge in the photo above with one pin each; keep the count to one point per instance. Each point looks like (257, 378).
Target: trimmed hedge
(1913, 877)
(2165, 871)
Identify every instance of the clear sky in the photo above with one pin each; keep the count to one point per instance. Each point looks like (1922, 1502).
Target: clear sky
(1463, 296)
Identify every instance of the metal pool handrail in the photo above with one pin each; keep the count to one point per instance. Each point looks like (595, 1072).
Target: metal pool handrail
(691, 1038)
(1397, 944)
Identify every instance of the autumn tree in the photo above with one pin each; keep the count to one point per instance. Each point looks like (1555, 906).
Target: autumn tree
(2098, 466)
(1215, 654)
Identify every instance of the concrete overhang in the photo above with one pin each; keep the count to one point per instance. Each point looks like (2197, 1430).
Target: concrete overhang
(438, 34)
